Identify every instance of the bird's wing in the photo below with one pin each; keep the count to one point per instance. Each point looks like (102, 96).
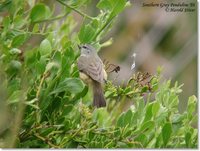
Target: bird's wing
(92, 67)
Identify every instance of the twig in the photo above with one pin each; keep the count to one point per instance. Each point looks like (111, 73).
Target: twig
(74, 9)
(52, 19)
(32, 33)
(132, 142)
(38, 93)
(46, 140)
(104, 26)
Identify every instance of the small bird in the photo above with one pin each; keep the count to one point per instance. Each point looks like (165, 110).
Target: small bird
(92, 73)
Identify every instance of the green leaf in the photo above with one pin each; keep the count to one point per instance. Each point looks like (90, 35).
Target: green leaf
(113, 6)
(125, 119)
(154, 83)
(40, 66)
(177, 118)
(40, 12)
(57, 57)
(148, 114)
(140, 108)
(77, 3)
(128, 118)
(155, 108)
(144, 89)
(36, 28)
(15, 97)
(19, 21)
(174, 102)
(187, 139)
(118, 6)
(151, 143)
(32, 103)
(52, 65)
(79, 95)
(14, 85)
(120, 121)
(147, 127)
(159, 141)
(14, 51)
(5, 5)
(86, 33)
(14, 66)
(72, 85)
(67, 109)
(191, 107)
(99, 116)
(142, 138)
(104, 5)
(68, 58)
(19, 40)
(46, 131)
(163, 114)
(122, 145)
(6, 22)
(45, 47)
(30, 58)
(166, 133)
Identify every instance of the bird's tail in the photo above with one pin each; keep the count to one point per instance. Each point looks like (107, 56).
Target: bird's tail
(98, 97)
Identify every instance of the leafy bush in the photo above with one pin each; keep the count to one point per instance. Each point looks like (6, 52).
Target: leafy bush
(45, 104)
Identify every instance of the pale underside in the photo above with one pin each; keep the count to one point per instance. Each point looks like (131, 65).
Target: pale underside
(93, 67)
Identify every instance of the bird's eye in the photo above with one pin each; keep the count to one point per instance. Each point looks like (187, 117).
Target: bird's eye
(84, 47)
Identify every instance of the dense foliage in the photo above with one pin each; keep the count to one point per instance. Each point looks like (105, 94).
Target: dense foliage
(44, 103)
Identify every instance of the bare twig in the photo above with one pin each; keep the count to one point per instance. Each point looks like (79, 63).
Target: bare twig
(46, 141)
(74, 9)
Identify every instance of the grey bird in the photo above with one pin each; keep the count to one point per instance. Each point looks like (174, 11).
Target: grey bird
(92, 73)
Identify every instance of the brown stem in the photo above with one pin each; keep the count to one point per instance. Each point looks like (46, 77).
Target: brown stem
(46, 140)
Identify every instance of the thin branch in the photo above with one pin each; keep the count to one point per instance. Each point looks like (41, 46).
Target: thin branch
(45, 74)
(46, 140)
(27, 32)
(32, 33)
(132, 142)
(52, 19)
(74, 9)
(108, 22)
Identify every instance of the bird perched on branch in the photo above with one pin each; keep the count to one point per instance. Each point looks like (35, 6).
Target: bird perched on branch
(92, 73)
